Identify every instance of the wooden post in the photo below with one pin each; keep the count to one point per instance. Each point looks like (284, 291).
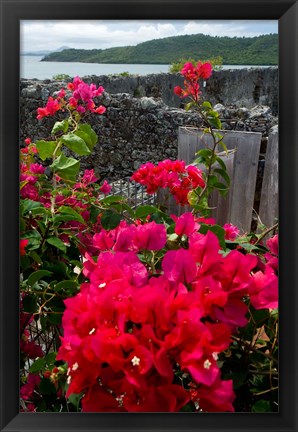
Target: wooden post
(243, 181)
(268, 211)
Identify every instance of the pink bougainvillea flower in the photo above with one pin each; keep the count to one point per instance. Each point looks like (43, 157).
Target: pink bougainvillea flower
(185, 224)
(23, 244)
(272, 245)
(89, 176)
(189, 71)
(105, 188)
(81, 109)
(264, 291)
(37, 168)
(61, 93)
(28, 141)
(272, 256)
(26, 391)
(216, 398)
(179, 266)
(29, 191)
(150, 236)
(231, 231)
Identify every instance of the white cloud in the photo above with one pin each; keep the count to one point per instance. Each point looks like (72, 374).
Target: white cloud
(50, 35)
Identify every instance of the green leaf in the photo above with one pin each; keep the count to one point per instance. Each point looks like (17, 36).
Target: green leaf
(222, 144)
(38, 365)
(223, 174)
(94, 212)
(87, 129)
(222, 188)
(84, 137)
(47, 387)
(60, 126)
(66, 167)
(239, 379)
(261, 406)
(110, 219)
(215, 122)
(55, 241)
(112, 199)
(189, 105)
(76, 144)
(50, 358)
(67, 285)
(62, 218)
(70, 211)
(37, 275)
(221, 163)
(35, 257)
(145, 210)
(260, 316)
(207, 104)
(74, 399)
(55, 318)
(30, 303)
(46, 148)
(29, 205)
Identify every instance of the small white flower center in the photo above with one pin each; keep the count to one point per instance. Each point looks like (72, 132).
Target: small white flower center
(77, 270)
(102, 285)
(207, 364)
(75, 366)
(92, 331)
(215, 356)
(135, 361)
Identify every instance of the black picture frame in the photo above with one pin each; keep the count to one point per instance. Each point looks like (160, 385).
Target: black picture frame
(12, 11)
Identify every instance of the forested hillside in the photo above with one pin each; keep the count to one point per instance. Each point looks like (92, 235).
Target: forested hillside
(260, 50)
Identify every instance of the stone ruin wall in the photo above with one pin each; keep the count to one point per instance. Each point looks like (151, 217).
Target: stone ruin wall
(143, 114)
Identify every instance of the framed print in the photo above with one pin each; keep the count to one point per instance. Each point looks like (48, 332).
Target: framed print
(148, 312)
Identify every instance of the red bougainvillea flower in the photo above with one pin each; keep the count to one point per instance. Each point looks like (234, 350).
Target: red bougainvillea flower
(100, 110)
(192, 76)
(204, 70)
(173, 175)
(23, 244)
(28, 141)
(50, 109)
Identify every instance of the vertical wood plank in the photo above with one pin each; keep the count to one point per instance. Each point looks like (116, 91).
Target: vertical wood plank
(243, 181)
(268, 211)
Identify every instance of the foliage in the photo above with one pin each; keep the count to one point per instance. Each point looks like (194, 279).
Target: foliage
(258, 50)
(136, 310)
(61, 77)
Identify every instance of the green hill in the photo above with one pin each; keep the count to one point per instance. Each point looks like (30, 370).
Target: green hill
(259, 50)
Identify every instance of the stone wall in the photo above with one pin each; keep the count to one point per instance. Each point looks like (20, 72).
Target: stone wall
(134, 129)
(243, 87)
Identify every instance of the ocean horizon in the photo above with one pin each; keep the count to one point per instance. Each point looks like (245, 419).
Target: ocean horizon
(31, 67)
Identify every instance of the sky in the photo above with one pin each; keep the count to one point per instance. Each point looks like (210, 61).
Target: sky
(51, 35)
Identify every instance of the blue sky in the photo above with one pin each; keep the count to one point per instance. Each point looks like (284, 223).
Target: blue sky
(51, 35)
